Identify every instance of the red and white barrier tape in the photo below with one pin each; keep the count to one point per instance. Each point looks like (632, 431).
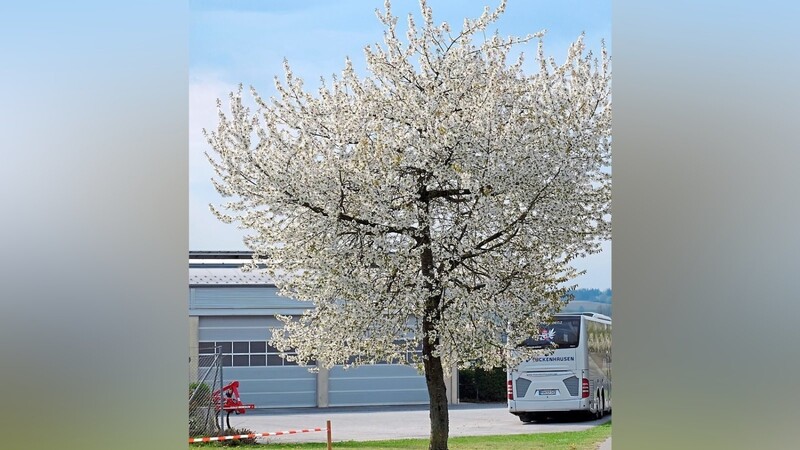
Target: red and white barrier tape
(253, 435)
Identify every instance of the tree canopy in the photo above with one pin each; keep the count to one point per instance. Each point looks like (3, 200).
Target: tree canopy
(435, 202)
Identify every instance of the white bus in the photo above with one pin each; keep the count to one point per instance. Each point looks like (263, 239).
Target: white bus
(575, 376)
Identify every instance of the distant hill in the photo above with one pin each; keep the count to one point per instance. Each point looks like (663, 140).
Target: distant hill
(592, 295)
(590, 300)
(579, 306)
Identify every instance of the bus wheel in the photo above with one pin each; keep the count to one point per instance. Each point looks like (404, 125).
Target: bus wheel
(602, 404)
(598, 410)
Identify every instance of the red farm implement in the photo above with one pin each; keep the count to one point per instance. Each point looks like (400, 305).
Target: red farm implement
(227, 399)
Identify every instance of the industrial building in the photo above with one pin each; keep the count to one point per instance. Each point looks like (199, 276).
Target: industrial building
(235, 310)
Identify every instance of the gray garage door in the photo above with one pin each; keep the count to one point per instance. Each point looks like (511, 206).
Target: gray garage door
(380, 384)
(265, 379)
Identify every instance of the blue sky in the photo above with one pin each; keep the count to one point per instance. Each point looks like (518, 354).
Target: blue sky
(245, 41)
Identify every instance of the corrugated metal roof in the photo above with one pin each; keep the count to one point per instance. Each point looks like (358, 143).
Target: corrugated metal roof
(216, 276)
(219, 254)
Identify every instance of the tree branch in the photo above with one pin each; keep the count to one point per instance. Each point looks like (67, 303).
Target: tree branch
(411, 231)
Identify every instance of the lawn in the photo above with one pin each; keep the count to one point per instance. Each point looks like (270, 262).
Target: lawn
(573, 440)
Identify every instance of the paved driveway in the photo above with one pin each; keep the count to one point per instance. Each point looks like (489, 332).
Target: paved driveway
(394, 422)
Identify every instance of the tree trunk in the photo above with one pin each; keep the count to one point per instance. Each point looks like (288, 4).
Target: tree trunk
(434, 372)
(434, 377)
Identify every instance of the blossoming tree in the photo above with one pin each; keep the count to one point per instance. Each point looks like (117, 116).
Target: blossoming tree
(435, 203)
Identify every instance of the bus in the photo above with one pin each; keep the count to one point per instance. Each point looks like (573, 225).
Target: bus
(575, 376)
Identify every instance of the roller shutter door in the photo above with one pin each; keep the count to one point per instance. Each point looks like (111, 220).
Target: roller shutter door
(265, 379)
(381, 384)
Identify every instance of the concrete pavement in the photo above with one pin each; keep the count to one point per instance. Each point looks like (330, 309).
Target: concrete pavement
(394, 422)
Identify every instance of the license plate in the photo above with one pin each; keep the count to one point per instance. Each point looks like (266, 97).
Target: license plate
(547, 391)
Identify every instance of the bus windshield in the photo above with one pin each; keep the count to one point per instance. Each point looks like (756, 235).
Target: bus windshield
(562, 332)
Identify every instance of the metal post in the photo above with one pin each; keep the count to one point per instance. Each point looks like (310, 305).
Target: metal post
(221, 394)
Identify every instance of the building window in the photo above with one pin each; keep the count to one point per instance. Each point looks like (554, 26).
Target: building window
(244, 354)
(241, 347)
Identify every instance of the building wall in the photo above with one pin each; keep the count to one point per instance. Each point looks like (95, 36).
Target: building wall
(242, 301)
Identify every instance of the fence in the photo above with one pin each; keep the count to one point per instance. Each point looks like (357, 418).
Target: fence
(235, 437)
(205, 372)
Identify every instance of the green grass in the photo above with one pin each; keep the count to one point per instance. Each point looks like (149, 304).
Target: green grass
(572, 440)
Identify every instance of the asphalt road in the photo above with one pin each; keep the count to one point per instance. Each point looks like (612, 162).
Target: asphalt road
(395, 422)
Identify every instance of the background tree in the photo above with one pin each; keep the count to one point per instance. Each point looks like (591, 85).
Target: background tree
(435, 203)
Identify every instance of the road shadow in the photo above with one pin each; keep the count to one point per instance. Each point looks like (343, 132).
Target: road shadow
(568, 418)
